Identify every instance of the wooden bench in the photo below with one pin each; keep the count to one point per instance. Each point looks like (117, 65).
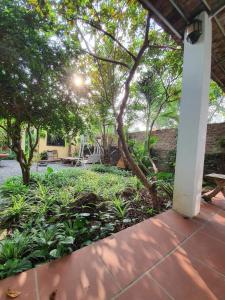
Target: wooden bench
(219, 180)
(70, 160)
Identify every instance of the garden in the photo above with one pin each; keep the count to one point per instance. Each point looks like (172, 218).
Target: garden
(60, 212)
(74, 71)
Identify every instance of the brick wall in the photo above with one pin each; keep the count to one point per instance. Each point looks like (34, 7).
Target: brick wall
(165, 148)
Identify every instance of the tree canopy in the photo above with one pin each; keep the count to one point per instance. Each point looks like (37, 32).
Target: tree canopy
(35, 90)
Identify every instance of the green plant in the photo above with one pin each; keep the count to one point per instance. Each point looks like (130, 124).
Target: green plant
(119, 207)
(14, 266)
(13, 186)
(110, 169)
(150, 211)
(165, 176)
(14, 211)
(63, 211)
(16, 246)
(166, 187)
(50, 242)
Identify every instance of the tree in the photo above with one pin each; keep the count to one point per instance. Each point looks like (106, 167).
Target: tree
(34, 84)
(216, 103)
(128, 27)
(161, 87)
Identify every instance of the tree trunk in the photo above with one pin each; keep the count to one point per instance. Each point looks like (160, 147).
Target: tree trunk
(155, 169)
(25, 167)
(26, 174)
(106, 158)
(134, 167)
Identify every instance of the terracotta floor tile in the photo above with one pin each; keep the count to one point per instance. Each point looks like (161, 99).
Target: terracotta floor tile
(80, 275)
(214, 230)
(178, 223)
(208, 250)
(218, 222)
(219, 201)
(144, 289)
(156, 234)
(24, 283)
(206, 212)
(126, 256)
(185, 278)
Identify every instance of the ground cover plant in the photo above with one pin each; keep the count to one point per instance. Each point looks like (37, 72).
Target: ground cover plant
(63, 211)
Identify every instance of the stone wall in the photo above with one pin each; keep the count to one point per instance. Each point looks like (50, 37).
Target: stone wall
(164, 151)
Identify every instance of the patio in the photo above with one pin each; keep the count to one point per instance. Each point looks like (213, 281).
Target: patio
(168, 256)
(165, 257)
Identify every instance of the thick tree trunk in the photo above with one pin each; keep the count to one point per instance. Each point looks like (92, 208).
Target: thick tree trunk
(120, 130)
(25, 167)
(26, 174)
(134, 167)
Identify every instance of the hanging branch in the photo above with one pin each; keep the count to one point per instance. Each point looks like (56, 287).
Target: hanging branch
(115, 62)
(88, 51)
(112, 37)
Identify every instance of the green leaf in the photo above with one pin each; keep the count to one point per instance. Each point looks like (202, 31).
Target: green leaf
(67, 241)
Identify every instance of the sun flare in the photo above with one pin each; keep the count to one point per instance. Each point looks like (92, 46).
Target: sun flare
(77, 80)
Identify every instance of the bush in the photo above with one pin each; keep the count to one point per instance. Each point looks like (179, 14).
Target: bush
(110, 169)
(64, 211)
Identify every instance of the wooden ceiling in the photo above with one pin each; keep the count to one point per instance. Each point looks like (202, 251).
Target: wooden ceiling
(174, 15)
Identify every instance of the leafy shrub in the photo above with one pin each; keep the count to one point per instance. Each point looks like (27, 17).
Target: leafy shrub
(13, 186)
(14, 211)
(14, 266)
(166, 176)
(14, 247)
(44, 155)
(110, 169)
(167, 188)
(64, 211)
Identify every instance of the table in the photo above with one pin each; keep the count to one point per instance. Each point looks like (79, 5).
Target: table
(3, 155)
(71, 160)
(219, 180)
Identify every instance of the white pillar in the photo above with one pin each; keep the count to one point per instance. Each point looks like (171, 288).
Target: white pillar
(193, 122)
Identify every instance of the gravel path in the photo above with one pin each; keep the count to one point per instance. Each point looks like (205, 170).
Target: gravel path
(10, 168)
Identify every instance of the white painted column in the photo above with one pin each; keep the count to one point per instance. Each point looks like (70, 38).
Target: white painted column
(193, 122)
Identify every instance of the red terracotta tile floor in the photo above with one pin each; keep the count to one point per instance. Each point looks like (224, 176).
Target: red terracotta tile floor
(165, 257)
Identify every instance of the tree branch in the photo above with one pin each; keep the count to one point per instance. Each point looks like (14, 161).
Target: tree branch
(164, 47)
(88, 51)
(115, 62)
(98, 27)
(144, 46)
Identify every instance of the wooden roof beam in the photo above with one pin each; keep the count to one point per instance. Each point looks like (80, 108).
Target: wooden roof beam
(219, 7)
(151, 7)
(214, 15)
(179, 10)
